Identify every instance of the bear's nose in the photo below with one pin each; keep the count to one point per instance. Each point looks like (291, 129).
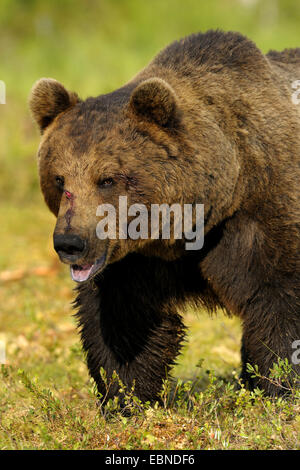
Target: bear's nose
(69, 247)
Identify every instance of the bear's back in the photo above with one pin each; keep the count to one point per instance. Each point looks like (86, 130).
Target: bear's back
(287, 56)
(214, 50)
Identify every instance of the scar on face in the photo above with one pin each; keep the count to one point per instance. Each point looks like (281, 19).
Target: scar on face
(70, 212)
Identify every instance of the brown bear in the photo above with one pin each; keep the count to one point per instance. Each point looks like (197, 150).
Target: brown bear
(211, 120)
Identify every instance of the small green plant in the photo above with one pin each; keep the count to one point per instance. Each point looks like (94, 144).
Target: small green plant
(282, 375)
(126, 402)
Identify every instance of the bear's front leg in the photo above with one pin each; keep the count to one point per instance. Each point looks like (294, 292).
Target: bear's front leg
(129, 324)
(270, 331)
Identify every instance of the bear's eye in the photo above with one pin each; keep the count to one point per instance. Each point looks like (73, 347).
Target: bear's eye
(59, 180)
(106, 182)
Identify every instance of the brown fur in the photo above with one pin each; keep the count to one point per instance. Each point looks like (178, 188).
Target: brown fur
(210, 120)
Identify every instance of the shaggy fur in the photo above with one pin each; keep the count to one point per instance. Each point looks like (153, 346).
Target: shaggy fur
(210, 120)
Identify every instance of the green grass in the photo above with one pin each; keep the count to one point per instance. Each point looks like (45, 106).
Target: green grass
(47, 400)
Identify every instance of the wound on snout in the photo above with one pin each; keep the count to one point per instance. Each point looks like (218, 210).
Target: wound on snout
(70, 212)
(69, 195)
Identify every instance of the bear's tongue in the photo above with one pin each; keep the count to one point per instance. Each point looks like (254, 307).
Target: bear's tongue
(81, 273)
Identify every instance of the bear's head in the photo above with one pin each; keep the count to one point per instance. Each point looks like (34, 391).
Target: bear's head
(138, 142)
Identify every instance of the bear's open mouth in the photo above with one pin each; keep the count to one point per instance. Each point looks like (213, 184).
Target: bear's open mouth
(87, 271)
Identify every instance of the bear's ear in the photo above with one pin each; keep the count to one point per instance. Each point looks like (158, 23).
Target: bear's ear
(49, 98)
(155, 100)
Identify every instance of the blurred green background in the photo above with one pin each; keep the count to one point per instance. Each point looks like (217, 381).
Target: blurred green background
(93, 47)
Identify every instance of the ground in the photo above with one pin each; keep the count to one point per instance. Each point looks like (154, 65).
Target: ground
(47, 400)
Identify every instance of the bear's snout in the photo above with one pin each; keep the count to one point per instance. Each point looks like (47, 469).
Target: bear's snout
(69, 247)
